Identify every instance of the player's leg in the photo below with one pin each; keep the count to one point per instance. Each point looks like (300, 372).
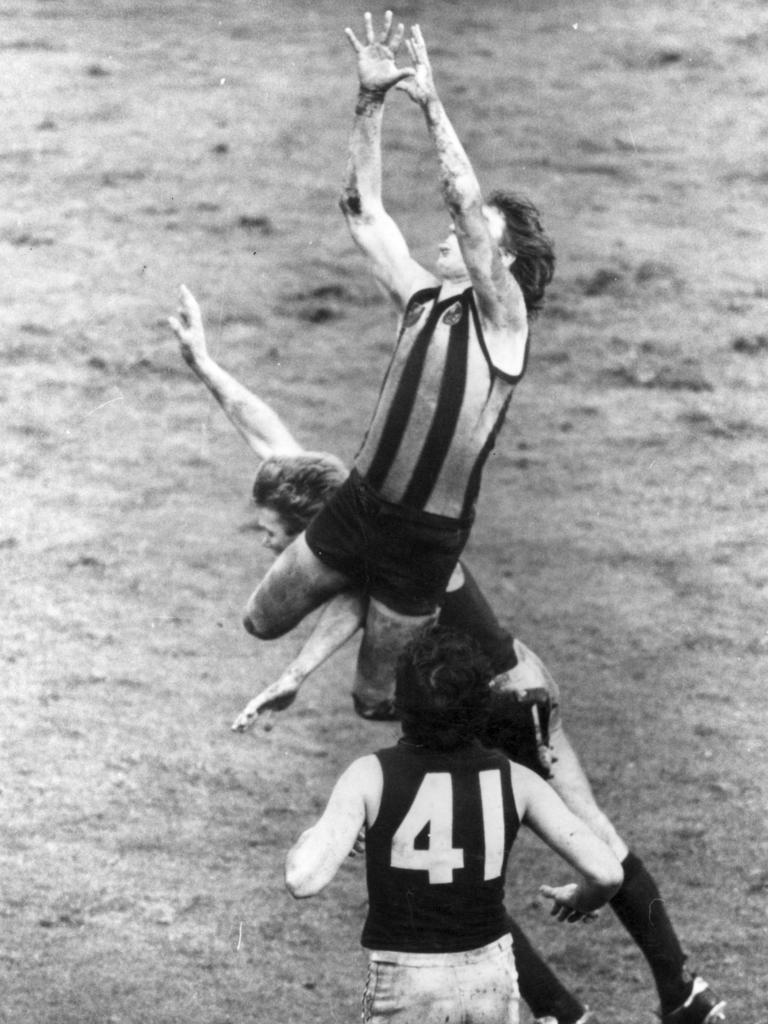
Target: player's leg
(638, 904)
(296, 584)
(540, 987)
(386, 634)
(488, 985)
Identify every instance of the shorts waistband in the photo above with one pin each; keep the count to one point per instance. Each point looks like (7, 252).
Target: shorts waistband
(405, 512)
(469, 956)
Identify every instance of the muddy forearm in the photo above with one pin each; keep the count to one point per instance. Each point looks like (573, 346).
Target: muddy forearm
(458, 182)
(362, 184)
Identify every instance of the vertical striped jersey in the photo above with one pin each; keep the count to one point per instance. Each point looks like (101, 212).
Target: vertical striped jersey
(439, 410)
(436, 856)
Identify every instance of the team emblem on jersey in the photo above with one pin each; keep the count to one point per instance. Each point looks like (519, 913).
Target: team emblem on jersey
(453, 314)
(412, 314)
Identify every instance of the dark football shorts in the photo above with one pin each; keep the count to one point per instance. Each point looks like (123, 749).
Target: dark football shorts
(400, 556)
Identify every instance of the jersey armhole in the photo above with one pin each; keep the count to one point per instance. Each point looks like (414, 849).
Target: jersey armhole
(508, 378)
(374, 808)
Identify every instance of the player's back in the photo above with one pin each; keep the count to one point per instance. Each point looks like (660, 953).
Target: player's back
(436, 855)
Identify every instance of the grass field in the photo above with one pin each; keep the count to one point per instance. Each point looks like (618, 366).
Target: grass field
(622, 527)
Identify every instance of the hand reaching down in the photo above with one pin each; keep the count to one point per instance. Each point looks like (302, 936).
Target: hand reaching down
(565, 900)
(275, 697)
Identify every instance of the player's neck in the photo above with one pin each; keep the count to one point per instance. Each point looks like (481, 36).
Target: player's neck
(451, 286)
(406, 741)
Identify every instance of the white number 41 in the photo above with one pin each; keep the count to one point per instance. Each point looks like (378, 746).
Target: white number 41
(433, 806)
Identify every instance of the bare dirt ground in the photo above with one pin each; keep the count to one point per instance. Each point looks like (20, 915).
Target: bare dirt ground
(622, 526)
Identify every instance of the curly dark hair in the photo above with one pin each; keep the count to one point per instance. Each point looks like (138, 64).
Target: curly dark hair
(524, 235)
(442, 690)
(297, 486)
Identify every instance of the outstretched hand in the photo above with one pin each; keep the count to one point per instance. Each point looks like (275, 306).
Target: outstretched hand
(187, 325)
(376, 57)
(420, 86)
(564, 899)
(275, 697)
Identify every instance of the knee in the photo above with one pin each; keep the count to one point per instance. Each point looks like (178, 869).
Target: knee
(258, 624)
(249, 625)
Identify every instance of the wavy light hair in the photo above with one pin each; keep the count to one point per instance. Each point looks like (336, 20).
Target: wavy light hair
(297, 486)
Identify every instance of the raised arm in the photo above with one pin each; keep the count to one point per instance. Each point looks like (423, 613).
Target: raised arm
(542, 810)
(370, 225)
(499, 297)
(256, 422)
(339, 620)
(316, 857)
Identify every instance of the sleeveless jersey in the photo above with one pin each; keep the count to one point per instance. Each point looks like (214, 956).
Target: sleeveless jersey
(439, 410)
(436, 856)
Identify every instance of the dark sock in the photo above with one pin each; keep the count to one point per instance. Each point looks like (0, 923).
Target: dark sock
(540, 987)
(640, 908)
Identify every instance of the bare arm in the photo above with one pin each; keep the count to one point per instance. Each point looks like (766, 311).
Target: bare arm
(499, 297)
(339, 620)
(257, 423)
(542, 810)
(570, 782)
(370, 225)
(320, 851)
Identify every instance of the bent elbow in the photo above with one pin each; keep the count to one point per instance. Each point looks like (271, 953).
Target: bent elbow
(298, 890)
(360, 211)
(294, 886)
(617, 879)
(350, 202)
(298, 882)
(611, 878)
(463, 195)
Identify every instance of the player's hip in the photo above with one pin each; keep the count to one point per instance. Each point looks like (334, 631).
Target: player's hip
(477, 986)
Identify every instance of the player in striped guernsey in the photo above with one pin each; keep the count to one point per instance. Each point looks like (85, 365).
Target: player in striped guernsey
(397, 526)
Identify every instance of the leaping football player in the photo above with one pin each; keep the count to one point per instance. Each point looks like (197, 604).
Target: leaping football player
(397, 525)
